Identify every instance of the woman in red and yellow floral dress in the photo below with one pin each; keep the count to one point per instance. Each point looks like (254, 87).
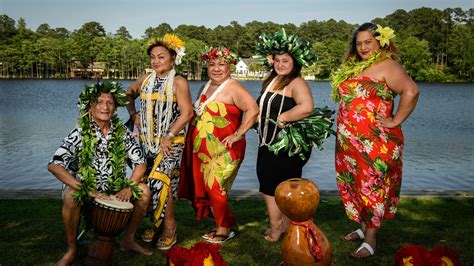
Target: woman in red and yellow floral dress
(369, 138)
(224, 111)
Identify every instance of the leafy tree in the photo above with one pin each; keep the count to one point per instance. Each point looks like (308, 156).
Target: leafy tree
(461, 52)
(44, 30)
(191, 31)
(123, 33)
(7, 29)
(329, 54)
(62, 33)
(415, 56)
(161, 30)
(87, 37)
(191, 66)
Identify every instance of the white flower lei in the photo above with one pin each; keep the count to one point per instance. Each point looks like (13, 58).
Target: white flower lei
(146, 116)
(198, 107)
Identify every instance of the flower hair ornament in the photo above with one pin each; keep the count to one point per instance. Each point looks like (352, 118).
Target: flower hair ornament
(385, 34)
(172, 42)
(218, 52)
(281, 43)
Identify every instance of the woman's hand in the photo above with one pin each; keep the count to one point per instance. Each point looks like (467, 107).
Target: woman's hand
(281, 124)
(124, 195)
(229, 140)
(387, 122)
(165, 145)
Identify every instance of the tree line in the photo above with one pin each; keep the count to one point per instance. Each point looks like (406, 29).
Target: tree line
(434, 45)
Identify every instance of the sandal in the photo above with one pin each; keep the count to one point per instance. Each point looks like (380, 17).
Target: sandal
(360, 235)
(165, 243)
(365, 245)
(223, 239)
(148, 235)
(209, 234)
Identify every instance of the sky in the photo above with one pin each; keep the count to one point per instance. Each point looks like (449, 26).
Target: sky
(138, 15)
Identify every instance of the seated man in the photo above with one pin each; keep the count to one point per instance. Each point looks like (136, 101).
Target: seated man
(95, 153)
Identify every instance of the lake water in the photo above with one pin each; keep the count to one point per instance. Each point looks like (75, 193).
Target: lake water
(35, 115)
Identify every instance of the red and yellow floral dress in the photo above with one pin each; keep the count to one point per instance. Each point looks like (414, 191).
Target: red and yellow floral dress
(214, 166)
(368, 157)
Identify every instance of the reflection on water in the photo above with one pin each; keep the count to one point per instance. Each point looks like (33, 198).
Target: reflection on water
(36, 114)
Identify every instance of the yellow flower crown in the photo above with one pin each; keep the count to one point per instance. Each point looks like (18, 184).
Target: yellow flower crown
(170, 41)
(385, 35)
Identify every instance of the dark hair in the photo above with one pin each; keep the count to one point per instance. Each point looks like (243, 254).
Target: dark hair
(171, 51)
(294, 73)
(370, 27)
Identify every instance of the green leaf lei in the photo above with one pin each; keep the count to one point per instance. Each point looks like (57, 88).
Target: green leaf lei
(353, 68)
(115, 147)
(298, 137)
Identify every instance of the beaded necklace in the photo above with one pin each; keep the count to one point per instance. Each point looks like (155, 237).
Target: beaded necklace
(263, 135)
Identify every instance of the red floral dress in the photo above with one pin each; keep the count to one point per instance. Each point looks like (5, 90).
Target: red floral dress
(214, 166)
(368, 157)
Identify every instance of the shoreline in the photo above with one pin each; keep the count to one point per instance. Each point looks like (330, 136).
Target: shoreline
(26, 194)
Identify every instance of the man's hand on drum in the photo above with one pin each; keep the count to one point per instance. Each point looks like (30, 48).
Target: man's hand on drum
(97, 194)
(124, 195)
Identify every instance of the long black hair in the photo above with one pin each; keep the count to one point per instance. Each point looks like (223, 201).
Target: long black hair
(369, 27)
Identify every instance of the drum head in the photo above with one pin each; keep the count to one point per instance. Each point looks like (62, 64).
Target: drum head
(114, 203)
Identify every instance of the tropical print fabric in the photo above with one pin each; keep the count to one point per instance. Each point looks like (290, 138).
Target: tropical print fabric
(214, 165)
(67, 155)
(368, 157)
(163, 170)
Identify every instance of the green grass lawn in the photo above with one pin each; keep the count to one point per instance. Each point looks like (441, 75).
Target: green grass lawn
(32, 232)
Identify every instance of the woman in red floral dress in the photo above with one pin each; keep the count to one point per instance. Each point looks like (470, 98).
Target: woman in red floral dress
(225, 111)
(369, 138)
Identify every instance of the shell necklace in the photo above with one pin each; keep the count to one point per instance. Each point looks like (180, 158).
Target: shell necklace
(158, 111)
(263, 135)
(198, 106)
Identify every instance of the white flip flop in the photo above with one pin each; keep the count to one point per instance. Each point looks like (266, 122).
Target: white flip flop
(359, 233)
(362, 246)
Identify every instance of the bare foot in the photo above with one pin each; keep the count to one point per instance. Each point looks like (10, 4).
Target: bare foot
(272, 235)
(134, 246)
(67, 259)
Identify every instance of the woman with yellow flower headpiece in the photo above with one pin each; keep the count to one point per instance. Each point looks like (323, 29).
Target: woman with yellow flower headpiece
(165, 109)
(369, 140)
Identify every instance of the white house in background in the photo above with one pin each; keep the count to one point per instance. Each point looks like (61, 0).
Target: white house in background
(242, 68)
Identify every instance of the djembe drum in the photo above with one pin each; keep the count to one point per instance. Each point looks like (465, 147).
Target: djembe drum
(108, 219)
(304, 243)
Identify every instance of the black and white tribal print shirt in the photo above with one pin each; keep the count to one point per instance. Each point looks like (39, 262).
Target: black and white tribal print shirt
(68, 154)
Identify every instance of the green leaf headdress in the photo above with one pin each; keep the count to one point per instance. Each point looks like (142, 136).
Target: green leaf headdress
(90, 93)
(281, 43)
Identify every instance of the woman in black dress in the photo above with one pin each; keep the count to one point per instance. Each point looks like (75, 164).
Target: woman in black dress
(285, 97)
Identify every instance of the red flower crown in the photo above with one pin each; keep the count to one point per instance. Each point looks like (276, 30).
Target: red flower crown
(218, 52)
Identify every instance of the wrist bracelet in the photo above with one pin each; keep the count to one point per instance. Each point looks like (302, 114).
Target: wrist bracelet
(170, 134)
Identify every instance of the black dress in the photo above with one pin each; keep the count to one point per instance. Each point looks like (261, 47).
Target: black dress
(273, 169)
